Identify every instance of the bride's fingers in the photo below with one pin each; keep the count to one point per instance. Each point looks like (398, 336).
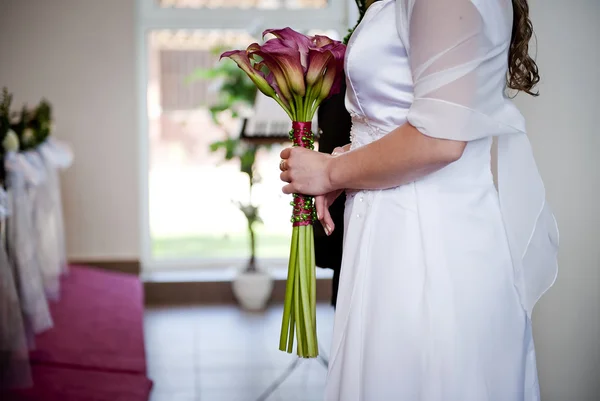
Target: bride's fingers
(289, 189)
(320, 205)
(323, 213)
(285, 176)
(327, 222)
(338, 151)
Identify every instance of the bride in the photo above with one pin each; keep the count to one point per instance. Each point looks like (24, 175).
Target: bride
(441, 267)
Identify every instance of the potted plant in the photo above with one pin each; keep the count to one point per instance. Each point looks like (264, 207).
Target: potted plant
(252, 285)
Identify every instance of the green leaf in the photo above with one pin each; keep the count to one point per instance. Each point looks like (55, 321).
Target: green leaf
(247, 160)
(216, 146)
(231, 148)
(202, 74)
(230, 145)
(216, 109)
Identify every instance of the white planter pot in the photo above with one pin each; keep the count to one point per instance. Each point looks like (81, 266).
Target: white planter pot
(253, 289)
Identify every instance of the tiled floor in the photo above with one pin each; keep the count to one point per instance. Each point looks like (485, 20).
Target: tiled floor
(220, 353)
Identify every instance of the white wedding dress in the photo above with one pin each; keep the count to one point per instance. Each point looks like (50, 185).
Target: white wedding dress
(439, 276)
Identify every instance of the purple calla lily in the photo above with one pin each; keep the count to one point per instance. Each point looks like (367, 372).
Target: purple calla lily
(290, 64)
(288, 61)
(271, 80)
(292, 39)
(339, 50)
(329, 79)
(278, 76)
(335, 50)
(243, 61)
(322, 41)
(318, 59)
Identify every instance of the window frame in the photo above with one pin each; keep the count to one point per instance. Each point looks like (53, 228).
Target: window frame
(150, 16)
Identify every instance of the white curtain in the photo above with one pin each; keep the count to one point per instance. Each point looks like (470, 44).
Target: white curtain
(22, 179)
(14, 352)
(56, 156)
(47, 159)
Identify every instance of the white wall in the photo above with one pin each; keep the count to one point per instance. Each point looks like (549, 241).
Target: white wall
(564, 128)
(81, 55)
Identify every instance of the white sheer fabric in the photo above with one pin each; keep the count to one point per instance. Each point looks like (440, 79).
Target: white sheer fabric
(440, 275)
(46, 251)
(57, 156)
(47, 159)
(14, 353)
(22, 246)
(458, 53)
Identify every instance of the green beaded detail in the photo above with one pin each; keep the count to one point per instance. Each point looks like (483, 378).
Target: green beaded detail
(304, 212)
(304, 209)
(308, 140)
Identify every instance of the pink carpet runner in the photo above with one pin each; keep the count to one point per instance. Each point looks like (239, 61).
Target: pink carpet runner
(95, 352)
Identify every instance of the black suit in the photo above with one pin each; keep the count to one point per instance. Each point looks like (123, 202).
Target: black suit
(334, 123)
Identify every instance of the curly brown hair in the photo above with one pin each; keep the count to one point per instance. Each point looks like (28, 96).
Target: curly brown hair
(523, 74)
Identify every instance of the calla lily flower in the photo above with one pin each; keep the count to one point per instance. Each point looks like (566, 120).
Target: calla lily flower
(329, 79)
(318, 60)
(275, 70)
(271, 80)
(243, 61)
(322, 41)
(338, 50)
(296, 70)
(288, 60)
(295, 40)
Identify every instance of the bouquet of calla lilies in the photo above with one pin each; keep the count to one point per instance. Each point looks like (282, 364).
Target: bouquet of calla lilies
(298, 72)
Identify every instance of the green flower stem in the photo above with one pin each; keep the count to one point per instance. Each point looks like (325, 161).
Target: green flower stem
(284, 107)
(308, 99)
(315, 106)
(313, 280)
(305, 109)
(300, 328)
(294, 112)
(287, 305)
(305, 297)
(290, 348)
(309, 289)
(299, 108)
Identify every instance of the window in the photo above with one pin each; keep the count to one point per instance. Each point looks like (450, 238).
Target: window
(189, 216)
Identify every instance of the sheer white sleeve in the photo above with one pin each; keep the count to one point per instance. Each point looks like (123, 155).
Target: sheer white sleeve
(458, 52)
(458, 61)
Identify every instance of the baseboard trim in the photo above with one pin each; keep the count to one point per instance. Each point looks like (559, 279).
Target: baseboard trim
(212, 292)
(195, 292)
(122, 266)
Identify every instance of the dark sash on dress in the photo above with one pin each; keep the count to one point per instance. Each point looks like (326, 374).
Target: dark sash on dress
(334, 124)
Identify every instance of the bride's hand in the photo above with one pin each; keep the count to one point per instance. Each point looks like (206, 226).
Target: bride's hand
(306, 172)
(323, 202)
